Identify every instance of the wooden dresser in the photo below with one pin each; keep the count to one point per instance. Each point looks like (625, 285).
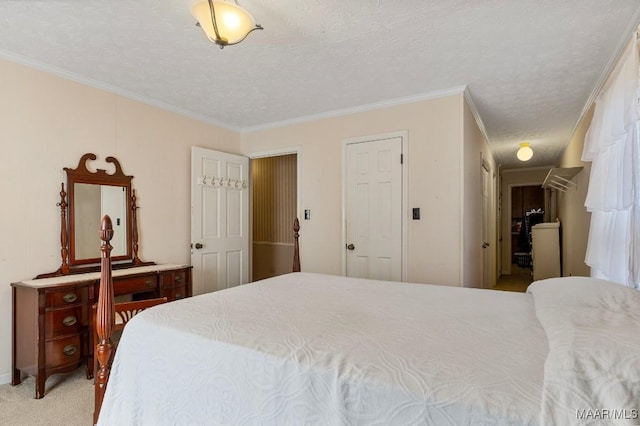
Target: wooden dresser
(52, 330)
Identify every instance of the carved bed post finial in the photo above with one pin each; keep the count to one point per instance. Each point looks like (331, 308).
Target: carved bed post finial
(296, 247)
(134, 227)
(64, 238)
(105, 317)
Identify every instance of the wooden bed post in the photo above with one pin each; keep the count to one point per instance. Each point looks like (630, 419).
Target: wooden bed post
(104, 317)
(134, 226)
(64, 239)
(296, 247)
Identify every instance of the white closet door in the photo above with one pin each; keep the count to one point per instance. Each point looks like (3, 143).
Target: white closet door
(374, 209)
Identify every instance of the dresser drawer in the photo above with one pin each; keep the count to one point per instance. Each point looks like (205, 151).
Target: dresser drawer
(66, 297)
(135, 285)
(175, 293)
(62, 322)
(61, 352)
(174, 278)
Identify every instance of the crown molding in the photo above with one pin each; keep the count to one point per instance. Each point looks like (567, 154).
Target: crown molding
(59, 72)
(606, 71)
(476, 114)
(360, 108)
(67, 75)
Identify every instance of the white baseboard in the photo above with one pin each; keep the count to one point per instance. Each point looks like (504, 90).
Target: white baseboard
(5, 378)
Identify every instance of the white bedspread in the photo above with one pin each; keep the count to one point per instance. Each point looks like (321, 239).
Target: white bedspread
(592, 371)
(309, 349)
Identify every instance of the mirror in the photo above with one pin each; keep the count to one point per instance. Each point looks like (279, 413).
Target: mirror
(91, 203)
(91, 196)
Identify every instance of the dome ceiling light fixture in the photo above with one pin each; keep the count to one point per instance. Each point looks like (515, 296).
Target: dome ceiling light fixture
(524, 152)
(224, 23)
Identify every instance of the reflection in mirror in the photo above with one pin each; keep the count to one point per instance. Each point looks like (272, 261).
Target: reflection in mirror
(91, 203)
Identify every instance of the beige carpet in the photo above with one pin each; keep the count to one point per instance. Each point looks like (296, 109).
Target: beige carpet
(68, 401)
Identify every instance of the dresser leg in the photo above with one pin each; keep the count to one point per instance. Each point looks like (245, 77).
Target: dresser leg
(16, 378)
(89, 367)
(40, 380)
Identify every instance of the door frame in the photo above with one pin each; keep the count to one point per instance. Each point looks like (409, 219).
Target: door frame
(486, 222)
(506, 269)
(404, 136)
(265, 154)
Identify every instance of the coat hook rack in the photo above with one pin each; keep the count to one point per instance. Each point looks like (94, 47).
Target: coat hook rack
(222, 182)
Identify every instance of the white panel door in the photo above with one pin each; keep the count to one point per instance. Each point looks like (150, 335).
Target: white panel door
(219, 220)
(374, 209)
(487, 281)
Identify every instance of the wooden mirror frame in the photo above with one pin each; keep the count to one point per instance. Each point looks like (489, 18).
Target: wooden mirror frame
(81, 174)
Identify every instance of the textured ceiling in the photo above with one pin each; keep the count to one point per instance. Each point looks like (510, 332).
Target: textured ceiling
(530, 66)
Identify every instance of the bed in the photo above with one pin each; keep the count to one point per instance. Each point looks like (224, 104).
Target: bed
(318, 349)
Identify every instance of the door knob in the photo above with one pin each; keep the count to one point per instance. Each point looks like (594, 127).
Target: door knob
(351, 247)
(199, 246)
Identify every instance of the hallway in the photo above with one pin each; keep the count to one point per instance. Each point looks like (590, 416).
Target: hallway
(519, 280)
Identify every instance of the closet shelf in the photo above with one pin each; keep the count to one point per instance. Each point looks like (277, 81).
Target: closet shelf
(559, 178)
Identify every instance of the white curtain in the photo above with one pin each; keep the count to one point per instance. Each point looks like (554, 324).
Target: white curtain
(612, 144)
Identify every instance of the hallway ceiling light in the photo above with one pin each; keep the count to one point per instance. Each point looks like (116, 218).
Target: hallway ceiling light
(225, 23)
(525, 152)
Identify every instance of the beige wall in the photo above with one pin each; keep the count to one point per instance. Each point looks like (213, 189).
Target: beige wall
(510, 178)
(47, 123)
(475, 149)
(574, 217)
(434, 173)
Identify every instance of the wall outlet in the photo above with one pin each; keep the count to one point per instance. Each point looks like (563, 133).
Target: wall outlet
(307, 214)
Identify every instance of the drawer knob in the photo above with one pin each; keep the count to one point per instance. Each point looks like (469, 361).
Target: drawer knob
(70, 297)
(149, 283)
(69, 350)
(178, 278)
(70, 320)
